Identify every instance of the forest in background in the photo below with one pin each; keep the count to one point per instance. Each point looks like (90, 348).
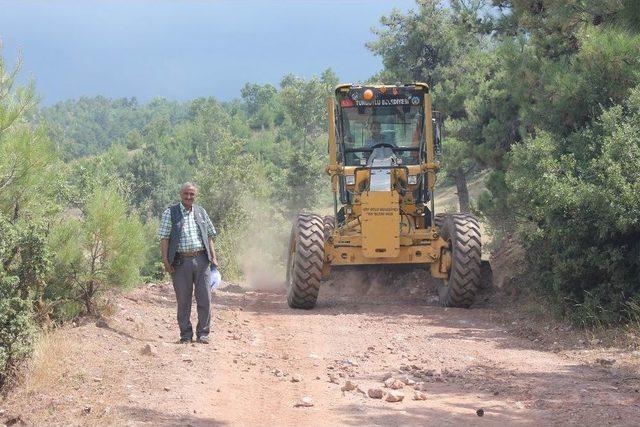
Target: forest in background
(544, 95)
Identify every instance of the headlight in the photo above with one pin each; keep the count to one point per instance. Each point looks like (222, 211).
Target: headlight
(413, 179)
(351, 179)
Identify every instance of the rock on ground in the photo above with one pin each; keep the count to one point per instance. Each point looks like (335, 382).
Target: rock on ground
(394, 383)
(394, 396)
(375, 393)
(418, 395)
(407, 380)
(349, 386)
(305, 402)
(149, 350)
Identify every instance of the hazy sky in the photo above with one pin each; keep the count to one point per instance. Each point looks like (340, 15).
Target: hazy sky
(182, 49)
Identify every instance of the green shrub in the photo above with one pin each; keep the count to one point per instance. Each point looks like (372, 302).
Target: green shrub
(577, 202)
(152, 268)
(17, 325)
(105, 248)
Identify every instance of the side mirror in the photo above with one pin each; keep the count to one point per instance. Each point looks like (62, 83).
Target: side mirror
(438, 128)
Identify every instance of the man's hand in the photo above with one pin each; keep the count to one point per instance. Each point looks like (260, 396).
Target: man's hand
(214, 257)
(168, 267)
(164, 251)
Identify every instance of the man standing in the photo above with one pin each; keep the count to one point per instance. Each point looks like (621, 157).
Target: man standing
(186, 242)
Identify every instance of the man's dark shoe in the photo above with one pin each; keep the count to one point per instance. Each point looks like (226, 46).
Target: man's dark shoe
(204, 339)
(185, 340)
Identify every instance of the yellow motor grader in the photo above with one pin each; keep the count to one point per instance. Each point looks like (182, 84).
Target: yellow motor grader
(383, 142)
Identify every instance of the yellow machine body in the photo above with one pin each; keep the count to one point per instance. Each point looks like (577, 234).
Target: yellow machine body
(380, 211)
(384, 214)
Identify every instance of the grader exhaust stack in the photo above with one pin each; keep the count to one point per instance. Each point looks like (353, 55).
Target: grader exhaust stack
(382, 163)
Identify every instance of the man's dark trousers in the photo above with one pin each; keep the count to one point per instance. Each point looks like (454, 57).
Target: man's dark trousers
(190, 273)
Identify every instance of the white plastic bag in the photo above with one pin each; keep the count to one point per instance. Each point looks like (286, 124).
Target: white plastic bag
(216, 278)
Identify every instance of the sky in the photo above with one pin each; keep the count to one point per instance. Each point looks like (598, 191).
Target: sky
(182, 49)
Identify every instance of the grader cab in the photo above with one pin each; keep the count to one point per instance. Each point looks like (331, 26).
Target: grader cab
(383, 142)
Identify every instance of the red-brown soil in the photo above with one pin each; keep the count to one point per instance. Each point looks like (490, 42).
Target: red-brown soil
(517, 373)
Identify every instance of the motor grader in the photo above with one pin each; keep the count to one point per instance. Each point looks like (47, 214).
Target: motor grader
(383, 142)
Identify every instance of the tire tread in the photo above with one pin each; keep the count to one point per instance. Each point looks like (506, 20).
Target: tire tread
(305, 270)
(463, 230)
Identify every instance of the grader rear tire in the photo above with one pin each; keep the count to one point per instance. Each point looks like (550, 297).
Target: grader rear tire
(306, 258)
(462, 231)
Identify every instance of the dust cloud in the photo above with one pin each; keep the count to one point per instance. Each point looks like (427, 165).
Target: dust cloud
(263, 255)
(261, 275)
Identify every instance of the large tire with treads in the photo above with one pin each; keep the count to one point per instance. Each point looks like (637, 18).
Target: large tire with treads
(306, 258)
(462, 231)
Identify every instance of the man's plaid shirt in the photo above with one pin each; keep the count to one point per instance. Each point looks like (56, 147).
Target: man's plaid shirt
(190, 239)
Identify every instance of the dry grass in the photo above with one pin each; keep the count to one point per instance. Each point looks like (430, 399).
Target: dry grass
(47, 362)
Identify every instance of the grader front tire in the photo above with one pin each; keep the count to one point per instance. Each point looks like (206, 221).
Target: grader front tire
(463, 233)
(306, 258)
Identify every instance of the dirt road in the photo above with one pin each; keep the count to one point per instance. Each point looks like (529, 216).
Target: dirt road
(464, 360)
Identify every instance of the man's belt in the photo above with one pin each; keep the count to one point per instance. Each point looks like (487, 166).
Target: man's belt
(191, 254)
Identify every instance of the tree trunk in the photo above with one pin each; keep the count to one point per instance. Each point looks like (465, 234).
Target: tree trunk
(88, 298)
(462, 190)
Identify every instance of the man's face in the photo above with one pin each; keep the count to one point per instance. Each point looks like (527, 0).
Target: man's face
(375, 129)
(188, 196)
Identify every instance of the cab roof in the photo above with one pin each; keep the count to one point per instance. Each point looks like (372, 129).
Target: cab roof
(344, 87)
